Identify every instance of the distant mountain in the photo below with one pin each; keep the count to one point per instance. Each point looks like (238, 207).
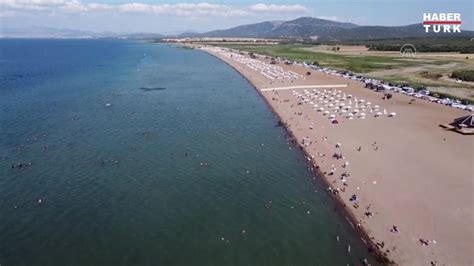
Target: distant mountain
(44, 32)
(137, 36)
(55, 33)
(304, 27)
(322, 30)
(188, 34)
(251, 30)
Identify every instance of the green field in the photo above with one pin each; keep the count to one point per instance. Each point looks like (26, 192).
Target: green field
(431, 44)
(355, 63)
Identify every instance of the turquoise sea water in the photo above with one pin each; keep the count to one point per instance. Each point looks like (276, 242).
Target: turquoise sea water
(192, 173)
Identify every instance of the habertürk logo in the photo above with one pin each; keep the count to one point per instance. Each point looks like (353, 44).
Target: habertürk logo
(442, 22)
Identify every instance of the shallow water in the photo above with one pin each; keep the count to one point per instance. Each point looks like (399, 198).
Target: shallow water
(180, 176)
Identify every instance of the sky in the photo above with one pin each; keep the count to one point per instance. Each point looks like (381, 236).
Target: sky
(176, 16)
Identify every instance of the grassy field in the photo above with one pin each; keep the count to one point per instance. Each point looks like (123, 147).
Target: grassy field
(353, 62)
(431, 70)
(431, 44)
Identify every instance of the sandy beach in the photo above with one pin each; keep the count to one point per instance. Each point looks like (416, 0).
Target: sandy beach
(406, 181)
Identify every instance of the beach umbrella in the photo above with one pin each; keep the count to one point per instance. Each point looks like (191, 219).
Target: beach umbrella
(332, 116)
(376, 107)
(326, 112)
(392, 114)
(464, 121)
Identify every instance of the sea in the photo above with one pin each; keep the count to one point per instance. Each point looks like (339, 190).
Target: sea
(116, 152)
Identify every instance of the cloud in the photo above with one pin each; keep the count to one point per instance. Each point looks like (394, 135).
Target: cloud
(182, 9)
(30, 4)
(177, 9)
(333, 18)
(279, 8)
(78, 7)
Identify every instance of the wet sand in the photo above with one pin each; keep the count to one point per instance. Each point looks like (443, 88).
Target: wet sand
(405, 171)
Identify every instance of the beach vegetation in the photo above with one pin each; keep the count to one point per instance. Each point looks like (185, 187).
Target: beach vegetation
(464, 75)
(354, 63)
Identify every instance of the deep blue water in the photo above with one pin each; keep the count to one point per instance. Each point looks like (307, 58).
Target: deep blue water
(183, 175)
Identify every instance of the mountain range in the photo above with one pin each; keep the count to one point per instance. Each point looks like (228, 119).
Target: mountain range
(303, 27)
(322, 30)
(55, 33)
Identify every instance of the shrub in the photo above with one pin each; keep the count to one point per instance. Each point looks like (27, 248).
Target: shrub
(465, 75)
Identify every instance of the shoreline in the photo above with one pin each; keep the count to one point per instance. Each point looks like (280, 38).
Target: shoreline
(348, 215)
(413, 227)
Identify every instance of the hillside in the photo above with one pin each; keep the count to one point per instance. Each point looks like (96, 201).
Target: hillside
(323, 30)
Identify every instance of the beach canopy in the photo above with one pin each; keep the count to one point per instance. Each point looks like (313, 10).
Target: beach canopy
(464, 121)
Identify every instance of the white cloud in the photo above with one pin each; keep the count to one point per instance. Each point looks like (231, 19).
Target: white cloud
(30, 4)
(181, 9)
(279, 8)
(333, 18)
(178, 9)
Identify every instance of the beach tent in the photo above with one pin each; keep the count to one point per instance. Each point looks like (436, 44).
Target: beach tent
(465, 121)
